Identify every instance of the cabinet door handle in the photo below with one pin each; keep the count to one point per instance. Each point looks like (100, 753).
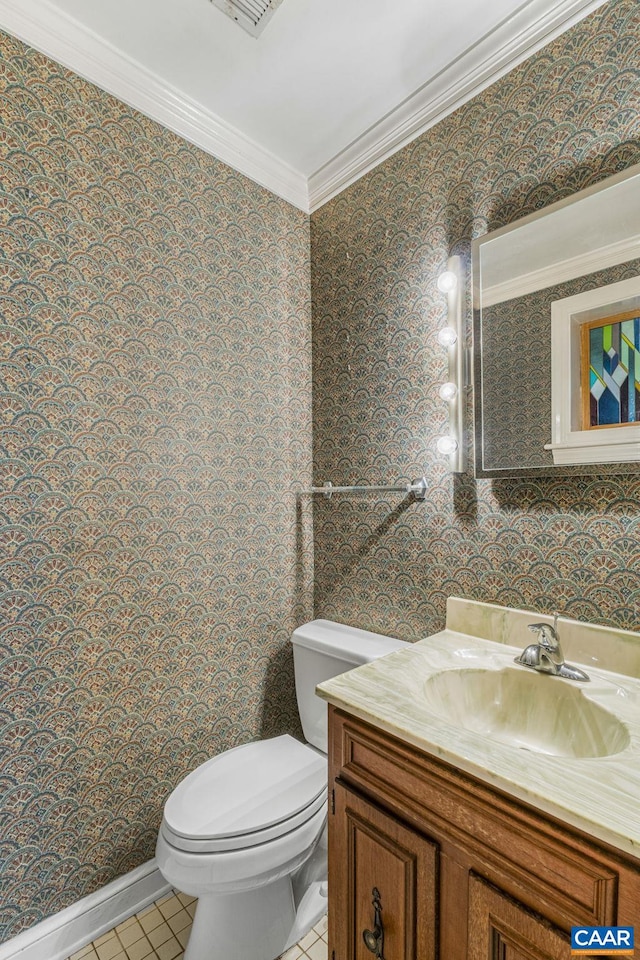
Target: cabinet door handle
(374, 939)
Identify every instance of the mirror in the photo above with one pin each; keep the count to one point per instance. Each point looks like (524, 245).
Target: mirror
(540, 286)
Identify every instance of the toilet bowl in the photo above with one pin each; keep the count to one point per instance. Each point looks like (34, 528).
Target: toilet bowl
(234, 833)
(245, 832)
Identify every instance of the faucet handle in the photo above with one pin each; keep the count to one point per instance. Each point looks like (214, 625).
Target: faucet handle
(547, 636)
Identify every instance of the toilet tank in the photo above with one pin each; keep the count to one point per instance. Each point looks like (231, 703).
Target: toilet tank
(322, 649)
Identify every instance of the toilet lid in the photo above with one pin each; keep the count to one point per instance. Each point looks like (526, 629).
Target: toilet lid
(247, 790)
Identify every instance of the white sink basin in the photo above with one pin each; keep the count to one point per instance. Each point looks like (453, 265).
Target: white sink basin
(526, 709)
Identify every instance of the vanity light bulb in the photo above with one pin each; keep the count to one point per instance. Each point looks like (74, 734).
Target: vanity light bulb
(447, 445)
(447, 336)
(447, 281)
(448, 392)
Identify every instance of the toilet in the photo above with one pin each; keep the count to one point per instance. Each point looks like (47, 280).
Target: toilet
(245, 832)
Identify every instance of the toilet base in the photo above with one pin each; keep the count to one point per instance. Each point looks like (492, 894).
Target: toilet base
(311, 909)
(250, 925)
(255, 925)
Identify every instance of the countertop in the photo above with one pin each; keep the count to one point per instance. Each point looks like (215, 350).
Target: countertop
(598, 795)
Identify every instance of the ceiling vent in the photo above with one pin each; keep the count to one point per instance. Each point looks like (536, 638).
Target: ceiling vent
(251, 15)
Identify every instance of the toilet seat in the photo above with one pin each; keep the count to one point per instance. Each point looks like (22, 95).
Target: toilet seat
(246, 796)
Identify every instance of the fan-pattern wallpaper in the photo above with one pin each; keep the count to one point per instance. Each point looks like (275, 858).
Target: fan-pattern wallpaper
(155, 391)
(566, 118)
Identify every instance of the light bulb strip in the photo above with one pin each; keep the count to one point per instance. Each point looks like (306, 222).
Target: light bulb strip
(455, 353)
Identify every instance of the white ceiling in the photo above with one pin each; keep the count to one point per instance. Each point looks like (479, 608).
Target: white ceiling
(329, 89)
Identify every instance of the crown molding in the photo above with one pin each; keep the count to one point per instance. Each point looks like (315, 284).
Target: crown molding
(65, 40)
(571, 268)
(513, 41)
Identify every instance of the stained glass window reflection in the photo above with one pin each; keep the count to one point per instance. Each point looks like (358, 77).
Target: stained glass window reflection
(611, 371)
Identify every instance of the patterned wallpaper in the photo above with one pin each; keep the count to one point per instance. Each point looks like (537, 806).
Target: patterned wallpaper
(563, 120)
(155, 395)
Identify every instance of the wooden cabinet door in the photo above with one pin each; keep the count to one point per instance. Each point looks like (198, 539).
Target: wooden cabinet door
(501, 929)
(383, 883)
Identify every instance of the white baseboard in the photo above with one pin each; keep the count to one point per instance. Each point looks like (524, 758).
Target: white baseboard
(57, 937)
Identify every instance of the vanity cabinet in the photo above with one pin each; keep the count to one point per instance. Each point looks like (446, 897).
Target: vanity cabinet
(385, 882)
(432, 864)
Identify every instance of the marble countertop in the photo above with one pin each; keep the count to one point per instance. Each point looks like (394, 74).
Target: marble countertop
(598, 795)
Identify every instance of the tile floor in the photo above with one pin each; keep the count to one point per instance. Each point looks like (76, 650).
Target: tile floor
(161, 931)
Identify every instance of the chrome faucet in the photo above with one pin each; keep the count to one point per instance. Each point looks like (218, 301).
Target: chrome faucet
(546, 655)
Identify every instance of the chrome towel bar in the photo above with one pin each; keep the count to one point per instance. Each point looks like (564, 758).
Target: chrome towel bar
(418, 488)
